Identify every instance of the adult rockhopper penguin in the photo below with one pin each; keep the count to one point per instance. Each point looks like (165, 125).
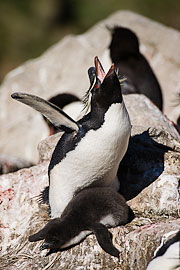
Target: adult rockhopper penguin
(89, 152)
(140, 78)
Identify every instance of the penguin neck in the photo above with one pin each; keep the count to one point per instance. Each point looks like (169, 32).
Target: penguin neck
(97, 115)
(120, 56)
(69, 229)
(65, 225)
(98, 112)
(72, 230)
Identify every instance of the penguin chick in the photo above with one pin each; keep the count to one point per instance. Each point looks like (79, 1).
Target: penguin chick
(125, 54)
(90, 150)
(92, 210)
(168, 256)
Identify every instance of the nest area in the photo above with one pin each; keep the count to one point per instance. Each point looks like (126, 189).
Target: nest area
(25, 251)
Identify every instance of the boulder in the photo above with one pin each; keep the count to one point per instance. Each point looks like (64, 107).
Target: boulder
(11, 164)
(149, 174)
(149, 177)
(21, 215)
(63, 68)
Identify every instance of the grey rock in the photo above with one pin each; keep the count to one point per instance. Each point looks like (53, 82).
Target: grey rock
(10, 164)
(150, 173)
(144, 113)
(156, 207)
(46, 147)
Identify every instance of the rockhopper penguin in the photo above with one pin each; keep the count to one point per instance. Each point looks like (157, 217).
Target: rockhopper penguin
(90, 150)
(125, 54)
(168, 256)
(92, 210)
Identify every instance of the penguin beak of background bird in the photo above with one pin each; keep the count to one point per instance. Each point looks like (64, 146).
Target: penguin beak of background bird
(100, 71)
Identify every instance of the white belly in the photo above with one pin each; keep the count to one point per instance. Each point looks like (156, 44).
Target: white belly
(169, 261)
(96, 158)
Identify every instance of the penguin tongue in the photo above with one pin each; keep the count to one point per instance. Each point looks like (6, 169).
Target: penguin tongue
(100, 71)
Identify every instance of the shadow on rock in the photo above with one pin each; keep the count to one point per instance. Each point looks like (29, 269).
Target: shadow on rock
(142, 164)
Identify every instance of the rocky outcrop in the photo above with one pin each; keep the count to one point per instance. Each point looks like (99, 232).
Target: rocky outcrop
(56, 72)
(10, 164)
(152, 159)
(149, 173)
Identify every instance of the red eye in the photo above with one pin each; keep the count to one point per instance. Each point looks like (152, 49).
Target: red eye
(96, 86)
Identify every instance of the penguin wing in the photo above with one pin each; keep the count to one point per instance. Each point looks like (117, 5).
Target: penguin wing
(52, 112)
(104, 238)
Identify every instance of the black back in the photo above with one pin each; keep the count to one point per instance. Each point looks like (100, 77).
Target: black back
(125, 54)
(91, 204)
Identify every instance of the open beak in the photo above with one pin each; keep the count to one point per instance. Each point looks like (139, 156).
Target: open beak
(96, 77)
(99, 69)
(100, 73)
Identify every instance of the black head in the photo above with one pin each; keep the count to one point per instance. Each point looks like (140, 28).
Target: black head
(107, 89)
(124, 43)
(52, 234)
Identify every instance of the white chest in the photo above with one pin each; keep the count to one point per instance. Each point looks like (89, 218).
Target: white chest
(170, 260)
(96, 157)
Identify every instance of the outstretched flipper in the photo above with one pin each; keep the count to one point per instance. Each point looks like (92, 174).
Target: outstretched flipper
(52, 112)
(104, 238)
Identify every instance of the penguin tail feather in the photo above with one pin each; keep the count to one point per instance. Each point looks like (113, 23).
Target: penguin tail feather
(44, 196)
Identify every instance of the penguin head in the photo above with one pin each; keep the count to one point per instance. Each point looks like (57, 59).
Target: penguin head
(124, 43)
(52, 235)
(107, 89)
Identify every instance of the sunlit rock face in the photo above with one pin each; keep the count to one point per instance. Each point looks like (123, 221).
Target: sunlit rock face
(149, 173)
(149, 179)
(156, 208)
(63, 68)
